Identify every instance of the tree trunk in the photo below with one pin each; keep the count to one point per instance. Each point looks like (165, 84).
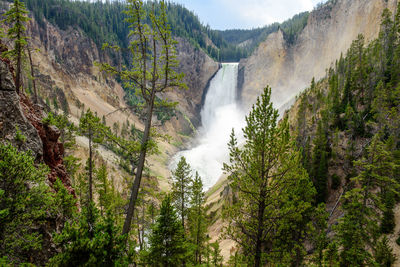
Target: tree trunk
(90, 212)
(18, 71)
(183, 216)
(35, 99)
(138, 176)
(139, 233)
(198, 261)
(19, 57)
(90, 166)
(182, 207)
(257, 258)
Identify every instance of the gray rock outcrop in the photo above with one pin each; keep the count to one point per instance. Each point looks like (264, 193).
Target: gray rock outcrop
(12, 119)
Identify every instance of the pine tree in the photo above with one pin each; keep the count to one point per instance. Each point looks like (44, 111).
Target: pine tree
(319, 169)
(91, 240)
(89, 125)
(269, 185)
(358, 230)
(355, 230)
(384, 253)
(25, 201)
(197, 221)
(152, 72)
(146, 210)
(17, 17)
(181, 188)
(64, 205)
(167, 244)
(216, 257)
(103, 188)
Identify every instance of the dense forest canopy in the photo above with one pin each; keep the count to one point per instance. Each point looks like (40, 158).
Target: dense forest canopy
(249, 39)
(104, 22)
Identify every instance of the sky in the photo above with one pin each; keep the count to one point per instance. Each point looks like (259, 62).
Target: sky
(246, 14)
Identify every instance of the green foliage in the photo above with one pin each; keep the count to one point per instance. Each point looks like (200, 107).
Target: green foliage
(291, 28)
(216, 257)
(181, 188)
(19, 137)
(4, 262)
(91, 240)
(356, 125)
(167, 243)
(363, 207)
(319, 236)
(273, 227)
(91, 126)
(104, 188)
(64, 203)
(335, 181)
(384, 253)
(294, 26)
(197, 221)
(319, 169)
(355, 230)
(331, 255)
(388, 222)
(17, 17)
(24, 202)
(237, 260)
(105, 22)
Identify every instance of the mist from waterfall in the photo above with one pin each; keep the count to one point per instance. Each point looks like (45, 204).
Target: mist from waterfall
(219, 115)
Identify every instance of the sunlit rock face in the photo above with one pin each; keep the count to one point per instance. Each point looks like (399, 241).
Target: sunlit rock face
(289, 68)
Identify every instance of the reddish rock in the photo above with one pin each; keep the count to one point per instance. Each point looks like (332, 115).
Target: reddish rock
(30, 115)
(52, 149)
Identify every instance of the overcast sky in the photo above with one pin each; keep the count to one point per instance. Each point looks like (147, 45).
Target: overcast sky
(245, 14)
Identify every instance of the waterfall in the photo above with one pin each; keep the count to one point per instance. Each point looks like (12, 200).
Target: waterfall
(219, 115)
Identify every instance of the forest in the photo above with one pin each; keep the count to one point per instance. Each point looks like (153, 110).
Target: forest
(104, 22)
(341, 138)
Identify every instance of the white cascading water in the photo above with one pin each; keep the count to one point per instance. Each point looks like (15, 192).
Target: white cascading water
(219, 115)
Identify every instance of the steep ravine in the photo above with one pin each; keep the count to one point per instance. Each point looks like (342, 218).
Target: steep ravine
(65, 71)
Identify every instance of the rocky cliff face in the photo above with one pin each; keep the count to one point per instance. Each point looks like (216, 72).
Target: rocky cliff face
(199, 68)
(12, 119)
(329, 32)
(21, 125)
(65, 74)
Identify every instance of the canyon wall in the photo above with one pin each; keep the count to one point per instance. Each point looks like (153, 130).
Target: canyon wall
(289, 68)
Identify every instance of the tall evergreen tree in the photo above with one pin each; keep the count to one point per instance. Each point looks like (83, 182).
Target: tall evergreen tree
(17, 17)
(181, 188)
(152, 72)
(25, 201)
(319, 169)
(216, 257)
(89, 125)
(167, 244)
(358, 231)
(91, 240)
(197, 221)
(264, 174)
